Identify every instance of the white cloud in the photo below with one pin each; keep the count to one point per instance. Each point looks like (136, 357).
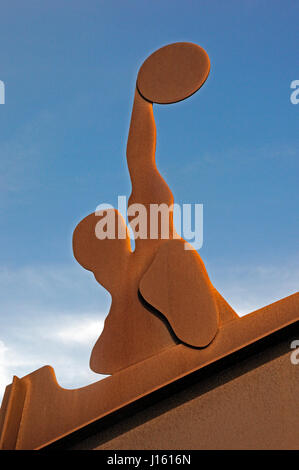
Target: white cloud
(248, 288)
(48, 288)
(52, 315)
(63, 341)
(80, 333)
(4, 376)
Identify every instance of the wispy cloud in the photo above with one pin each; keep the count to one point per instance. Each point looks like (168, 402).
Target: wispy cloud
(250, 287)
(80, 333)
(4, 374)
(43, 288)
(63, 341)
(52, 315)
(243, 156)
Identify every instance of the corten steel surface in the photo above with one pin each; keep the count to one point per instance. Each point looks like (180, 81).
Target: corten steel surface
(160, 273)
(37, 411)
(245, 406)
(166, 319)
(173, 73)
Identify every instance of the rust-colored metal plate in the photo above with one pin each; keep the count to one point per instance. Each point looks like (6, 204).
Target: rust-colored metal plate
(145, 283)
(37, 411)
(131, 332)
(159, 281)
(177, 284)
(173, 73)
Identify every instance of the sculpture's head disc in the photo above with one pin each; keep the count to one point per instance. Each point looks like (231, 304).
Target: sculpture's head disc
(173, 73)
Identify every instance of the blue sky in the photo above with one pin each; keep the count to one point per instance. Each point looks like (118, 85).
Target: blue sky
(69, 68)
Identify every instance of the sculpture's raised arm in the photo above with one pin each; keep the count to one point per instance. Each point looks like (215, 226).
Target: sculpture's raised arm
(170, 74)
(148, 185)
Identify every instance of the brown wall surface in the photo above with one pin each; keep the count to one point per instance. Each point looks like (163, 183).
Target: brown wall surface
(254, 404)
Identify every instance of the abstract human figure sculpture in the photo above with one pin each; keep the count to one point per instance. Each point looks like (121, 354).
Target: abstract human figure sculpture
(167, 321)
(161, 292)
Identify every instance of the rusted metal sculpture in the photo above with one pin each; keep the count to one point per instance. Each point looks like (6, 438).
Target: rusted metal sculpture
(160, 279)
(166, 320)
